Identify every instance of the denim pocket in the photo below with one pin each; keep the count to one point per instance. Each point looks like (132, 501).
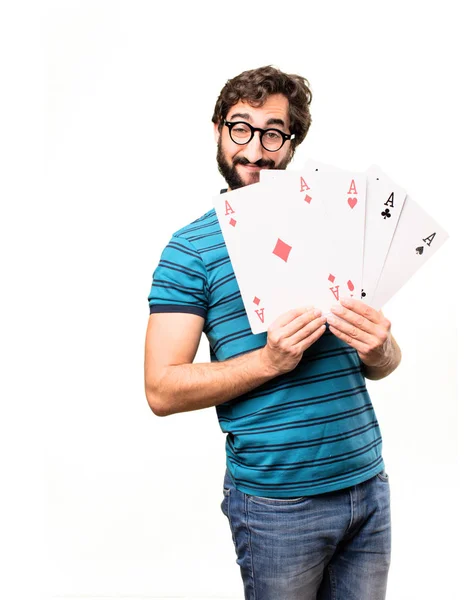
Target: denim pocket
(383, 476)
(225, 501)
(276, 501)
(227, 487)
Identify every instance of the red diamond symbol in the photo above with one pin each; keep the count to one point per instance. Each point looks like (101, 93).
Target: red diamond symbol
(307, 198)
(256, 300)
(331, 278)
(282, 250)
(232, 222)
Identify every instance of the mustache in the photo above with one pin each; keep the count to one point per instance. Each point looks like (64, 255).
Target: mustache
(262, 162)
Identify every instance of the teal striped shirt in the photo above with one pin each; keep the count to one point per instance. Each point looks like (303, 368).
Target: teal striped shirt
(310, 431)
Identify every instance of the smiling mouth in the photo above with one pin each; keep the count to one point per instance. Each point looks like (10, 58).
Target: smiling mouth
(253, 167)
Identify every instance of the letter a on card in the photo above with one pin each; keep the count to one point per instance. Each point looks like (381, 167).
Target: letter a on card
(352, 189)
(304, 185)
(228, 209)
(260, 313)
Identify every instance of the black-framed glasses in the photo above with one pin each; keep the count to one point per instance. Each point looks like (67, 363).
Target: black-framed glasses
(272, 140)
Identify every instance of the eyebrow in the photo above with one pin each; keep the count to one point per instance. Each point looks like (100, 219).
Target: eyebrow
(247, 117)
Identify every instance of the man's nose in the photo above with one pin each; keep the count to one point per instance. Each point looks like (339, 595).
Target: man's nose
(254, 149)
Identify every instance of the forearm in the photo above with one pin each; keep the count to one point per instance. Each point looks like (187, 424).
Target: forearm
(187, 387)
(392, 360)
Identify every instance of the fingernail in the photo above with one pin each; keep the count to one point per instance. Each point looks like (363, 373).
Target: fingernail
(337, 309)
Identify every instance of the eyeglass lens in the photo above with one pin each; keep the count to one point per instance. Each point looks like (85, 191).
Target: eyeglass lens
(270, 139)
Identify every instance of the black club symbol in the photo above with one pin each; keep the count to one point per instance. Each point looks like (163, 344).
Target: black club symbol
(363, 293)
(386, 213)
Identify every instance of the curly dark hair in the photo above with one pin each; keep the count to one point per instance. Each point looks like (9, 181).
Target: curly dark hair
(256, 85)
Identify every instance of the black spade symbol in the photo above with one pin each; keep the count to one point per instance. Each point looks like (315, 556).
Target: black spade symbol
(420, 249)
(363, 293)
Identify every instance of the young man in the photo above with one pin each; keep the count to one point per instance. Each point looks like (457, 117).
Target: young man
(305, 490)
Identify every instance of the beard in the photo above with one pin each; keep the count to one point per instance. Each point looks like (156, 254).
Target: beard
(229, 171)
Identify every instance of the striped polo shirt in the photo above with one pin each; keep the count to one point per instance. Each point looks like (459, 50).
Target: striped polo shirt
(309, 431)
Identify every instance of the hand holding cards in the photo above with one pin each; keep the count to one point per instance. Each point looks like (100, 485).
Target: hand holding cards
(312, 237)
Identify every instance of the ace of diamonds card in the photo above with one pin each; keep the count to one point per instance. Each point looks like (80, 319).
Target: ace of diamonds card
(271, 250)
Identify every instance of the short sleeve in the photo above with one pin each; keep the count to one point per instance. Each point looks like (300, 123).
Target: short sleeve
(180, 280)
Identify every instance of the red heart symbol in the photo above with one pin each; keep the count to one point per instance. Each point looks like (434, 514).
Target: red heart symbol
(352, 202)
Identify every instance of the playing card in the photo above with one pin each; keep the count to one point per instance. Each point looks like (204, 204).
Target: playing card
(315, 165)
(343, 196)
(345, 203)
(407, 224)
(294, 185)
(269, 254)
(384, 202)
(417, 237)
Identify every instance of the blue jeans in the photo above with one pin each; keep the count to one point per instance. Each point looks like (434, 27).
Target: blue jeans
(333, 546)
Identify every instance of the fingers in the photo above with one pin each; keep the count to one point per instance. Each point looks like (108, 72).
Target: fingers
(357, 309)
(360, 317)
(292, 322)
(355, 342)
(289, 335)
(350, 330)
(361, 326)
(313, 337)
(306, 331)
(301, 315)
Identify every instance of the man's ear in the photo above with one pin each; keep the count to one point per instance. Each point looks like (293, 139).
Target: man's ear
(216, 132)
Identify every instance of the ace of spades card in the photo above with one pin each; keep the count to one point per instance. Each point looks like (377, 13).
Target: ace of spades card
(417, 237)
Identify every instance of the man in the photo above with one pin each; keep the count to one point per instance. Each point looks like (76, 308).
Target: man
(305, 490)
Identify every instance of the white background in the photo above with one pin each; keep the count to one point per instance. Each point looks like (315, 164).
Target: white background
(106, 149)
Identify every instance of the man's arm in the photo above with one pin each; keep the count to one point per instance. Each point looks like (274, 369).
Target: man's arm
(173, 384)
(369, 332)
